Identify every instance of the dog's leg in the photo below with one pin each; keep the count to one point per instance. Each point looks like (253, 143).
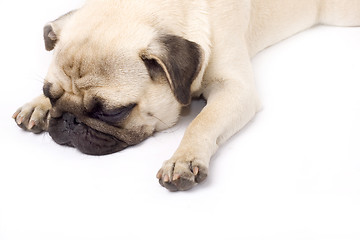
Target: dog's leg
(340, 12)
(231, 103)
(34, 115)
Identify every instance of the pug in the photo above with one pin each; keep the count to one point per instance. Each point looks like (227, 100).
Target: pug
(124, 69)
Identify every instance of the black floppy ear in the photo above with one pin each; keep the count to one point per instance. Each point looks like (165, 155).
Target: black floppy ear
(179, 59)
(52, 30)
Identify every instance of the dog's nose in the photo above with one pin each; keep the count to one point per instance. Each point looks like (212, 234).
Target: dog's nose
(70, 121)
(62, 128)
(68, 130)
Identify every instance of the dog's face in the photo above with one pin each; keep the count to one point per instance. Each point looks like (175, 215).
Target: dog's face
(114, 88)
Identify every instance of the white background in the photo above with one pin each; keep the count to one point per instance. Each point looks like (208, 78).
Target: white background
(292, 173)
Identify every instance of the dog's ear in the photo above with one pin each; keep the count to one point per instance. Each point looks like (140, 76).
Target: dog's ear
(178, 59)
(52, 30)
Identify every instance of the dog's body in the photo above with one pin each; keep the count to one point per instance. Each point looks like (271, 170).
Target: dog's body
(123, 69)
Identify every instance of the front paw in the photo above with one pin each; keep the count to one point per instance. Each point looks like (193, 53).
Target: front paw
(34, 115)
(181, 174)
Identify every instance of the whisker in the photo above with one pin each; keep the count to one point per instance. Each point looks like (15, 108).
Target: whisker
(39, 78)
(167, 126)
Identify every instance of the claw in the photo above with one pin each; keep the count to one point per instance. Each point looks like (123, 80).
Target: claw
(166, 178)
(196, 170)
(159, 174)
(19, 119)
(14, 116)
(31, 124)
(176, 177)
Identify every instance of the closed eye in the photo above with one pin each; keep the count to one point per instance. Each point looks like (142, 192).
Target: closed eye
(115, 115)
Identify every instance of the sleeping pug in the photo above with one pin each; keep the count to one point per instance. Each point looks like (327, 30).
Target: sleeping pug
(123, 69)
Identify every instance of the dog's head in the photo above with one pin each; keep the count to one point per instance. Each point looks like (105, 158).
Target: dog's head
(113, 84)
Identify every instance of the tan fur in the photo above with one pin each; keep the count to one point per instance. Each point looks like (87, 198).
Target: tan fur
(98, 56)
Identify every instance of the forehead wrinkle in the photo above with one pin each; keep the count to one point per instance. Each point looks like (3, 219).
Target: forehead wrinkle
(88, 82)
(79, 66)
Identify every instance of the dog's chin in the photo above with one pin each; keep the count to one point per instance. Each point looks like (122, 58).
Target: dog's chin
(67, 130)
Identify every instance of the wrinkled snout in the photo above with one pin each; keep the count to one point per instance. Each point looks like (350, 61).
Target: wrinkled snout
(68, 130)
